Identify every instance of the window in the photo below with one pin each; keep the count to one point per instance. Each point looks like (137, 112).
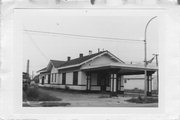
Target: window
(75, 78)
(64, 78)
(54, 77)
(107, 80)
(49, 78)
(98, 79)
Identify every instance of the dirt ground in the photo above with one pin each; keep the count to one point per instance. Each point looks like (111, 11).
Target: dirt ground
(77, 99)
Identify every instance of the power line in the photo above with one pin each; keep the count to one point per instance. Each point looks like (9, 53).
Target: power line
(86, 36)
(37, 47)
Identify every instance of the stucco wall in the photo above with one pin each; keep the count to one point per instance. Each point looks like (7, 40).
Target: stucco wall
(54, 70)
(82, 78)
(104, 59)
(96, 88)
(40, 80)
(77, 87)
(69, 78)
(59, 81)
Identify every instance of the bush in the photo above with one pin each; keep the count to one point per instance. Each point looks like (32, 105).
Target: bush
(24, 96)
(45, 104)
(139, 99)
(46, 97)
(32, 93)
(66, 87)
(25, 86)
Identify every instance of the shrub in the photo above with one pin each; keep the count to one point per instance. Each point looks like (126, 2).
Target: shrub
(46, 104)
(25, 86)
(104, 96)
(46, 97)
(32, 93)
(139, 99)
(66, 87)
(24, 96)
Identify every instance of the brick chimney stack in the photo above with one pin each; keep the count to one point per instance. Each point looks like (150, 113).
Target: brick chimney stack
(68, 58)
(90, 52)
(80, 55)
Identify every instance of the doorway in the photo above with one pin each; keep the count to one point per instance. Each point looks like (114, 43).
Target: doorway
(49, 76)
(103, 80)
(43, 80)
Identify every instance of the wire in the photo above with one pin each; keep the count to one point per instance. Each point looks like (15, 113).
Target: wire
(86, 36)
(37, 47)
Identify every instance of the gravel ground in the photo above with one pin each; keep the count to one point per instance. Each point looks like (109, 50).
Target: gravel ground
(77, 99)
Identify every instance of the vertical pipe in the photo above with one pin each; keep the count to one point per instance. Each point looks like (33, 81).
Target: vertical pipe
(145, 55)
(115, 82)
(27, 70)
(150, 84)
(157, 74)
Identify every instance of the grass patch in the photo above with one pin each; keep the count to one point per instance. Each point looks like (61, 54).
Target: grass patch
(104, 96)
(140, 99)
(26, 105)
(46, 104)
(70, 91)
(33, 94)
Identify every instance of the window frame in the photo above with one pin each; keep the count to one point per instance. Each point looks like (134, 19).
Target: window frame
(63, 78)
(75, 78)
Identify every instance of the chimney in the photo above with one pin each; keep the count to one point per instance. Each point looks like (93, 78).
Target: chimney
(90, 52)
(68, 58)
(98, 50)
(80, 55)
(27, 67)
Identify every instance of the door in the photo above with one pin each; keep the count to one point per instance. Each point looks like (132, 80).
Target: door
(49, 79)
(103, 82)
(43, 80)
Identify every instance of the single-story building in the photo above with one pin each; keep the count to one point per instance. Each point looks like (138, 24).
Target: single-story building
(100, 71)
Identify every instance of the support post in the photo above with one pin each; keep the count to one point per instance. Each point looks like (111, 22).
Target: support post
(120, 85)
(149, 85)
(145, 83)
(88, 88)
(145, 55)
(113, 80)
(156, 55)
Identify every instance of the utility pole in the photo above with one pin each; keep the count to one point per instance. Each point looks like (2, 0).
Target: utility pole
(92, 2)
(145, 55)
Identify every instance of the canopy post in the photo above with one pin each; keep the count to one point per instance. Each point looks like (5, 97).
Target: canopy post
(121, 84)
(113, 87)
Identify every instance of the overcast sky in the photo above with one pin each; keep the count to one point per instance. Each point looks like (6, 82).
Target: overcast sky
(40, 48)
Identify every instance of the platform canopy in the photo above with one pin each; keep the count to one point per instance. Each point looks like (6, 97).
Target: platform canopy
(123, 69)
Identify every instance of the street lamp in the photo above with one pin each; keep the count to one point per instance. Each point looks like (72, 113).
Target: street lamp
(145, 53)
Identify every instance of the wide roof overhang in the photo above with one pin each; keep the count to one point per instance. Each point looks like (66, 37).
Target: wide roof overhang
(123, 69)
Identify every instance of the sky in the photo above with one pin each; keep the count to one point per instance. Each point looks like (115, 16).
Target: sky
(39, 48)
